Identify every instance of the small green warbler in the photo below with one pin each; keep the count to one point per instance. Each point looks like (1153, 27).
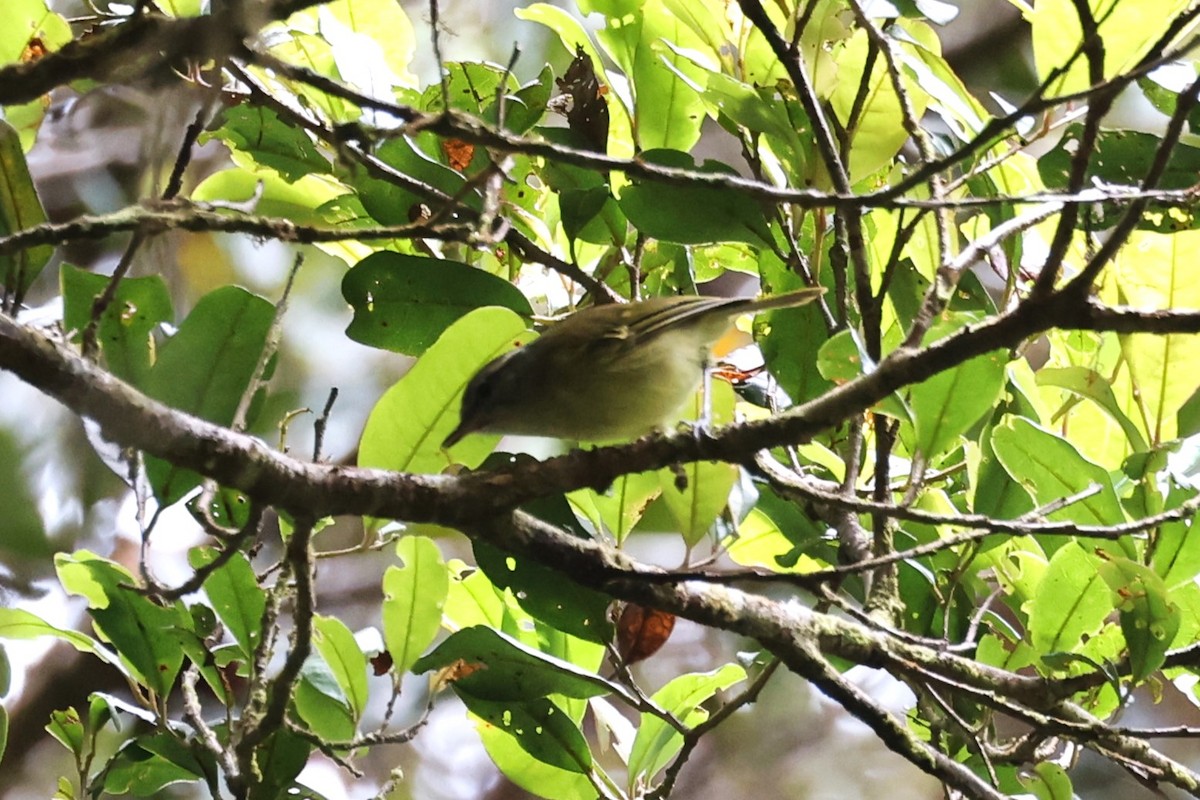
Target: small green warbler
(607, 373)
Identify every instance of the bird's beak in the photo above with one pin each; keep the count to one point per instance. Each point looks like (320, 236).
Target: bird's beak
(456, 435)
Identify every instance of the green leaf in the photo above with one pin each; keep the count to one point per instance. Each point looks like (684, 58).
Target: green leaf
(141, 771)
(147, 636)
(1049, 781)
(1148, 619)
(205, 368)
(25, 20)
(20, 209)
(235, 595)
(258, 131)
(541, 728)
(699, 501)
(271, 195)
(668, 110)
(322, 704)
(65, 790)
(390, 204)
(3, 732)
(996, 494)
(280, 760)
(5, 674)
(525, 107)
(1070, 603)
(875, 135)
(472, 87)
(948, 404)
(759, 110)
(473, 600)
(381, 29)
(842, 357)
(505, 669)
(1126, 29)
(578, 207)
(692, 214)
(657, 742)
(1161, 367)
(336, 644)
(413, 598)
(618, 509)
(1177, 550)
(529, 773)
(403, 303)
(17, 623)
(1120, 158)
(547, 594)
(761, 541)
(406, 428)
(66, 726)
(124, 332)
(1050, 468)
(1090, 384)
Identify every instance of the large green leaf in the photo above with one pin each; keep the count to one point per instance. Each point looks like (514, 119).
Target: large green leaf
(1092, 385)
(547, 594)
(236, 597)
(498, 667)
(20, 208)
(258, 131)
(948, 404)
(1048, 781)
(1120, 158)
(124, 332)
(403, 303)
(406, 428)
(25, 20)
(759, 111)
(413, 598)
(691, 214)
(876, 135)
(322, 704)
(541, 728)
(1127, 30)
(657, 742)
(1148, 619)
(17, 623)
(1161, 367)
(1071, 601)
(618, 509)
(1176, 557)
(391, 204)
(149, 637)
(667, 107)
(147, 765)
(1050, 468)
(696, 493)
(205, 368)
(528, 772)
(337, 646)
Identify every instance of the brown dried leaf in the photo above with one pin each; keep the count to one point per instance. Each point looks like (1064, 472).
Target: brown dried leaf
(642, 631)
(586, 111)
(458, 153)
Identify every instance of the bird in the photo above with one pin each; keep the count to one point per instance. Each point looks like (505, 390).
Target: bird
(607, 373)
